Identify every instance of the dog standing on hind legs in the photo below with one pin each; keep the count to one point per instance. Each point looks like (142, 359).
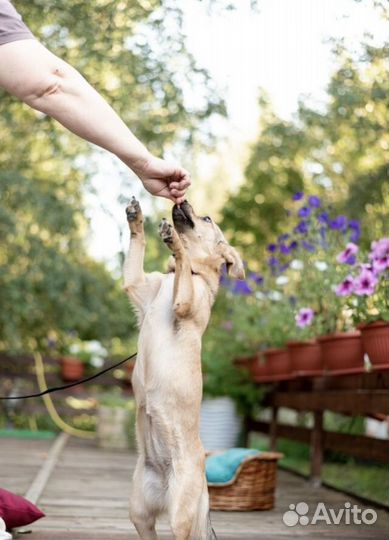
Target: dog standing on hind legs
(173, 312)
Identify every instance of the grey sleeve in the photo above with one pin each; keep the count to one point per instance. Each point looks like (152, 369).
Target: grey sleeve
(12, 27)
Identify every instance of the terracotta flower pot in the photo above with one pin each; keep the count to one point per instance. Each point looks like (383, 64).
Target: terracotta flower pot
(259, 368)
(244, 362)
(72, 368)
(342, 352)
(278, 361)
(305, 357)
(375, 339)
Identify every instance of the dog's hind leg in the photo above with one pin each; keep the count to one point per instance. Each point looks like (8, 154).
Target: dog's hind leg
(188, 509)
(183, 293)
(146, 500)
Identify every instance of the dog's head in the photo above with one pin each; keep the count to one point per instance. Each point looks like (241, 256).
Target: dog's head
(202, 238)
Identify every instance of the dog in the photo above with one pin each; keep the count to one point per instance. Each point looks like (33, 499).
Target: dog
(173, 311)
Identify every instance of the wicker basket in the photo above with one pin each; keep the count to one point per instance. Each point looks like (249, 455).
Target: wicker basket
(252, 487)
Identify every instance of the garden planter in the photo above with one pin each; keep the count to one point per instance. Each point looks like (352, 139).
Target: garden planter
(278, 363)
(342, 352)
(72, 368)
(220, 424)
(259, 369)
(305, 357)
(245, 362)
(375, 340)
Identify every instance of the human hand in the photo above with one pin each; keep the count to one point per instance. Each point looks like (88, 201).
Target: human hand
(163, 179)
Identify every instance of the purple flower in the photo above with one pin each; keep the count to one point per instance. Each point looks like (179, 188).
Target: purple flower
(257, 278)
(304, 317)
(348, 255)
(379, 248)
(339, 223)
(365, 283)
(308, 246)
(379, 255)
(304, 212)
(346, 287)
(272, 248)
(302, 227)
(314, 201)
(323, 218)
(241, 287)
(272, 261)
(298, 196)
(355, 228)
(284, 267)
(283, 237)
(293, 245)
(380, 264)
(284, 249)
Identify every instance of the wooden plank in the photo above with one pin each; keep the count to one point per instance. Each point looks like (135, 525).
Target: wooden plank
(40, 480)
(316, 449)
(363, 402)
(359, 446)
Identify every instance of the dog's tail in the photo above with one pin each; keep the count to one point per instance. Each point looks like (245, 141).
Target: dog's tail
(202, 527)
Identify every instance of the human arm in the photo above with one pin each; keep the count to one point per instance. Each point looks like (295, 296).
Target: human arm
(48, 84)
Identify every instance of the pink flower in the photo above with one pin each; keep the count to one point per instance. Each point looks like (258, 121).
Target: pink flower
(379, 255)
(304, 317)
(346, 287)
(379, 248)
(365, 283)
(348, 255)
(380, 264)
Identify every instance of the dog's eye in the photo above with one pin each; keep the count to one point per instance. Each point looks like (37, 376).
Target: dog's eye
(207, 219)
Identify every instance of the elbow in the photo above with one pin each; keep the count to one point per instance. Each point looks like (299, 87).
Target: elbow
(39, 95)
(182, 310)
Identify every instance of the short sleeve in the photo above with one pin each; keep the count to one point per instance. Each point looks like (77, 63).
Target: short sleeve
(12, 27)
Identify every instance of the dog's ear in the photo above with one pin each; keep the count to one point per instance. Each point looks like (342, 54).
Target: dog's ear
(232, 258)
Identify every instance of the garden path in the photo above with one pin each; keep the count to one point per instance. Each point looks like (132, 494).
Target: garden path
(84, 491)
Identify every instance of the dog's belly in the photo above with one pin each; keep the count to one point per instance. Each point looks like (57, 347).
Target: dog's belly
(167, 381)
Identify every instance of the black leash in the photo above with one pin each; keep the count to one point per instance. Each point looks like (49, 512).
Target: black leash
(75, 383)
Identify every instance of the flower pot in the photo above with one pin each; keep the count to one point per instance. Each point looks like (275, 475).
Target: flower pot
(244, 362)
(375, 340)
(305, 357)
(278, 362)
(72, 368)
(220, 425)
(259, 368)
(342, 352)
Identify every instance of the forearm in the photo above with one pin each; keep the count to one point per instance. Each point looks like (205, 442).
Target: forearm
(51, 86)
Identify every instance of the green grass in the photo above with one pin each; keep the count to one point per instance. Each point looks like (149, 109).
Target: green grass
(367, 480)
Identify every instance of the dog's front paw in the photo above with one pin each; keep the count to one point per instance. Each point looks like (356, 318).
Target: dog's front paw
(133, 211)
(166, 231)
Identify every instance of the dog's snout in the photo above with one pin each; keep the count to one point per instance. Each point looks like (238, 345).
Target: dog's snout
(182, 216)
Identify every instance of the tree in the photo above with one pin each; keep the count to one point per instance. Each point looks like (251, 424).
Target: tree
(339, 152)
(133, 53)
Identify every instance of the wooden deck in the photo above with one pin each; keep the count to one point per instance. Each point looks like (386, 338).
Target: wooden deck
(84, 492)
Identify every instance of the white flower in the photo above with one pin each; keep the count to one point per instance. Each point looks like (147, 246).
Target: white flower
(321, 265)
(282, 280)
(275, 295)
(296, 264)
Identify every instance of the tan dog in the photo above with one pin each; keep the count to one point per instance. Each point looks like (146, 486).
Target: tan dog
(173, 311)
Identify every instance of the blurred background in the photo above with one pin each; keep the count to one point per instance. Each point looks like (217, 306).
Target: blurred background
(258, 100)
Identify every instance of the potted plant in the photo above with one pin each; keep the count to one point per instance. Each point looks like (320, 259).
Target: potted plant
(116, 422)
(277, 328)
(366, 288)
(315, 237)
(78, 355)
